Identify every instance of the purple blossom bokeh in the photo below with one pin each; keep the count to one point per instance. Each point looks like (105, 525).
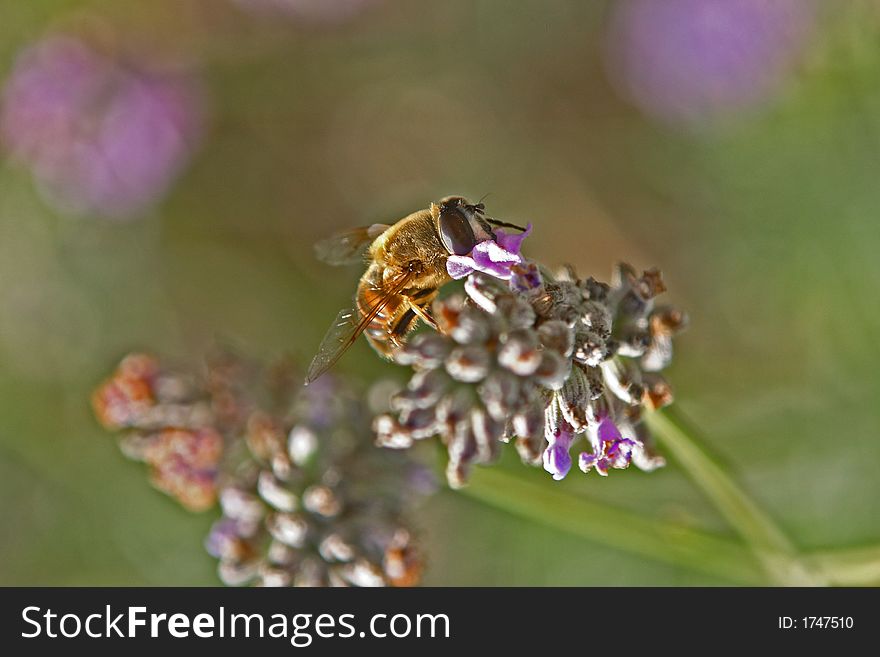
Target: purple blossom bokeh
(322, 12)
(99, 137)
(693, 61)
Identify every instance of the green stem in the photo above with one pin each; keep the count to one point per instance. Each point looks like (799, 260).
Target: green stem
(769, 549)
(848, 567)
(765, 538)
(658, 540)
(617, 528)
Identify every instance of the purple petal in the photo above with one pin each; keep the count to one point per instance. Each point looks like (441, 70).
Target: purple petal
(620, 453)
(492, 259)
(608, 431)
(557, 460)
(586, 461)
(525, 277)
(489, 252)
(460, 266)
(511, 242)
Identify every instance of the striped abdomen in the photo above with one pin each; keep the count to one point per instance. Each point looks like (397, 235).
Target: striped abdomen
(387, 331)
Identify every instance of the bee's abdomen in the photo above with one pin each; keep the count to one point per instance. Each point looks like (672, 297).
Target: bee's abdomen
(380, 331)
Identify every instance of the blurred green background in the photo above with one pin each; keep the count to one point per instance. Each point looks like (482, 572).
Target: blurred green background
(764, 221)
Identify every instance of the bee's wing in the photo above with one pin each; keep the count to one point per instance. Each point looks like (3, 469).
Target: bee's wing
(346, 328)
(348, 247)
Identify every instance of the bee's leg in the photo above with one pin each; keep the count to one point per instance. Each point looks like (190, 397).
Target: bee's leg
(401, 325)
(425, 316)
(419, 303)
(504, 224)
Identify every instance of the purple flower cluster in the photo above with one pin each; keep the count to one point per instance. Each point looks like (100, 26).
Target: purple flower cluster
(538, 359)
(100, 136)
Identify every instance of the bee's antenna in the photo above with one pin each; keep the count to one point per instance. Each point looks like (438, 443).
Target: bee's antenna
(504, 224)
(479, 206)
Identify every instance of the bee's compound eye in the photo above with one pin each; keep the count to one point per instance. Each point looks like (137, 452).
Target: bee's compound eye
(456, 231)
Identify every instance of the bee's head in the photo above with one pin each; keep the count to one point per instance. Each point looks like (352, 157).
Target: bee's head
(460, 224)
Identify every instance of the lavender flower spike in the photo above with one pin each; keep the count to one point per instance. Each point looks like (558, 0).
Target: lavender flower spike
(542, 360)
(305, 499)
(494, 257)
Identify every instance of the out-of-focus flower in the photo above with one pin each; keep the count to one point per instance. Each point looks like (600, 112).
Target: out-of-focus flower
(183, 462)
(306, 497)
(494, 257)
(311, 502)
(308, 11)
(168, 424)
(693, 61)
(129, 394)
(142, 395)
(544, 359)
(99, 135)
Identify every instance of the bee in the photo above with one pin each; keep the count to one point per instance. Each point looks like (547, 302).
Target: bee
(405, 271)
